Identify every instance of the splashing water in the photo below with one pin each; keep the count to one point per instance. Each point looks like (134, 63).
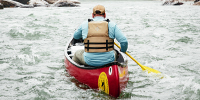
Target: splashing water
(165, 38)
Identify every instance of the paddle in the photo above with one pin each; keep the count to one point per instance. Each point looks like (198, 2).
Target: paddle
(150, 70)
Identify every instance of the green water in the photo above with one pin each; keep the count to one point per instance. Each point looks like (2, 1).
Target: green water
(165, 38)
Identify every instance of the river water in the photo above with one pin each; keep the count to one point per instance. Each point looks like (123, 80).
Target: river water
(165, 38)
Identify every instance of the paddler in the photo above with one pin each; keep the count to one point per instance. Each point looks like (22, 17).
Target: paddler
(98, 35)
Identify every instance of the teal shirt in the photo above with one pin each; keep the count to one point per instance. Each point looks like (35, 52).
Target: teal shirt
(99, 59)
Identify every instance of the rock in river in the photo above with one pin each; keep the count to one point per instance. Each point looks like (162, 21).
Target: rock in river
(22, 1)
(1, 6)
(197, 3)
(39, 3)
(65, 3)
(10, 3)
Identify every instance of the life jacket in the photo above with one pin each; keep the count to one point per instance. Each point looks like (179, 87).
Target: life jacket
(98, 39)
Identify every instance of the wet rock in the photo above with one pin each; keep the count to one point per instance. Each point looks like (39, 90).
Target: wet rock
(22, 1)
(51, 1)
(1, 6)
(39, 3)
(10, 3)
(76, 2)
(54, 1)
(172, 2)
(197, 3)
(178, 3)
(65, 3)
(167, 2)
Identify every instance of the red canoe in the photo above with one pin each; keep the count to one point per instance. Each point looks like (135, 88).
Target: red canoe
(111, 78)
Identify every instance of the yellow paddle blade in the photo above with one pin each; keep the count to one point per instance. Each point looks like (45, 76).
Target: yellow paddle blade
(150, 70)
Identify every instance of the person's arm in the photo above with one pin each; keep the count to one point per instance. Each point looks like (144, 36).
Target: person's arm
(121, 38)
(78, 33)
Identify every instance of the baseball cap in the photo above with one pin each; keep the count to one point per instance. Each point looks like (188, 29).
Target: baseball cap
(99, 9)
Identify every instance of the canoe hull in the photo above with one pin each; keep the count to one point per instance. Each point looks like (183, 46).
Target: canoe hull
(111, 79)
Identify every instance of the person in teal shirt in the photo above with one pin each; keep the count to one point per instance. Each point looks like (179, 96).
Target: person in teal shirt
(99, 58)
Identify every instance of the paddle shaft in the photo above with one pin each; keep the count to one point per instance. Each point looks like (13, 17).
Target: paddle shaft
(131, 57)
(150, 70)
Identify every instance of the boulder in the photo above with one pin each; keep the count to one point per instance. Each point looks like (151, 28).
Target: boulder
(65, 3)
(10, 3)
(178, 3)
(51, 1)
(172, 2)
(39, 3)
(1, 6)
(76, 2)
(54, 1)
(167, 2)
(22, 1)
(197, 3)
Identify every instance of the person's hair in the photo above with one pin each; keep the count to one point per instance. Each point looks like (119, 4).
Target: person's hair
(99, 12)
